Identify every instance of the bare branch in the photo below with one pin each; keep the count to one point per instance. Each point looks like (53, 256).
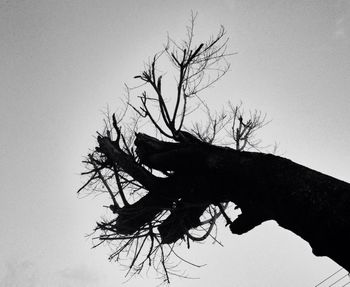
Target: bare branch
(163, 201)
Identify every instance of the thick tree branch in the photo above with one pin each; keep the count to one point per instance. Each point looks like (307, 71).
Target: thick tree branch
(127, 163)
(266, 187)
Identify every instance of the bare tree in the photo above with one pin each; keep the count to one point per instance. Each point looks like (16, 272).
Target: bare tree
(174, 186)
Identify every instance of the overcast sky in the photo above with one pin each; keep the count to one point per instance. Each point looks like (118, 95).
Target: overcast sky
(62, 62)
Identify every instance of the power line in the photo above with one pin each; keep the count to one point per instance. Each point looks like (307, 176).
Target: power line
(324, 280)
(341, 278)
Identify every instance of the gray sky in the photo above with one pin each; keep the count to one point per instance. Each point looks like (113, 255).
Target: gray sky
(62, 62)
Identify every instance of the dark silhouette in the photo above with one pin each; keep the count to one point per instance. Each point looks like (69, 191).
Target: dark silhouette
(264, 186)
(175, 186)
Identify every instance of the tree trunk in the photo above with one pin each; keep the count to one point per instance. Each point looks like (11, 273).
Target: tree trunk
(312, 205)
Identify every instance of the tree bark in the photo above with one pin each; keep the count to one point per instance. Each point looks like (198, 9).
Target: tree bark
(312, 205)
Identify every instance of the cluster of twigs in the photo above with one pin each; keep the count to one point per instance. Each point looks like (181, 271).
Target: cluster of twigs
(197, 67)
(127, 181)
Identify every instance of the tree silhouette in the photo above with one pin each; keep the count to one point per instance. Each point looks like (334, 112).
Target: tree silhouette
(172, 187)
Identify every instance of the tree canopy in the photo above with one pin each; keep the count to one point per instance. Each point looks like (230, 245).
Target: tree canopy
(170, 180)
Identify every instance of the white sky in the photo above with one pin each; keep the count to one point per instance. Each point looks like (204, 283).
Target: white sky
(62, 62)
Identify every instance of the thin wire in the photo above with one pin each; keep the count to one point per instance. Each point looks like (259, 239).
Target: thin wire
(324, 280)
(341, 278)
(346, 283)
